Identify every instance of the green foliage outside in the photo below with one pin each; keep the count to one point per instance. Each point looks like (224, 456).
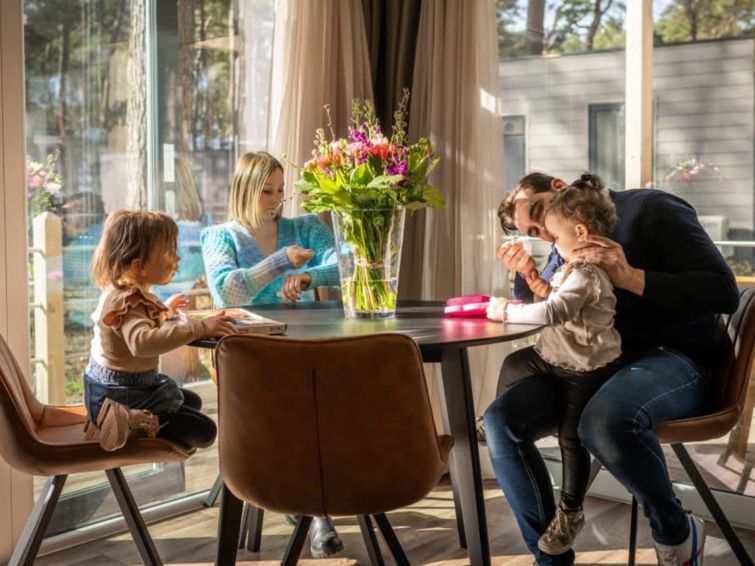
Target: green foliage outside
(577, 26)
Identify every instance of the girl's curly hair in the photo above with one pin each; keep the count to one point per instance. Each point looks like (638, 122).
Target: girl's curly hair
(586, 202)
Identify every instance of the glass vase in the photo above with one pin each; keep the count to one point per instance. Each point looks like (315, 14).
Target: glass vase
(368, 244)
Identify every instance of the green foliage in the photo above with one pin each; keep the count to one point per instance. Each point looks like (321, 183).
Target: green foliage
(568, 24)
(692, 20)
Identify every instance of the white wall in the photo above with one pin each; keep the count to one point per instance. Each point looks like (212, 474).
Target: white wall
(704, 100)
(15, 489)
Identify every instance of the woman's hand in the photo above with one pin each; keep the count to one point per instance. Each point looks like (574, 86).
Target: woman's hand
(609, 256)
(294, 285)
(298, 256)
(175, 303)
(221, 325)
(540, 289)
(496, 309)
(513, 257)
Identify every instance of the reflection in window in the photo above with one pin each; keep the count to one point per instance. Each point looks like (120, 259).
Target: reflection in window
(514, 150)
(607, 143)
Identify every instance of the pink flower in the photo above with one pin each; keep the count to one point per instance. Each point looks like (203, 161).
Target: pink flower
(35, 181)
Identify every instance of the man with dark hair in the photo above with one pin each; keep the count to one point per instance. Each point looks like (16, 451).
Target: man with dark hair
(670, 280)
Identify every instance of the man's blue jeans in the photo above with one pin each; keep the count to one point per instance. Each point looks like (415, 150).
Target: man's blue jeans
(616, 427)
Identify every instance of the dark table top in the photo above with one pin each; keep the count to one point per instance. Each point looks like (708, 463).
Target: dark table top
(422, 320)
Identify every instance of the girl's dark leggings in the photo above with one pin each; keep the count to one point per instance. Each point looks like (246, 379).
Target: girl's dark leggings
(577, 389)
(188, 426)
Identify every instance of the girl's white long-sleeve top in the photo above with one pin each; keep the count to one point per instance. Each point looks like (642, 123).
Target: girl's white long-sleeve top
(578, 314)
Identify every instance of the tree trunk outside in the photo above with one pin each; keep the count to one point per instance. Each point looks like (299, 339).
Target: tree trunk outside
(185, 75)
(136, 112)
(63, 64)
(535, 27)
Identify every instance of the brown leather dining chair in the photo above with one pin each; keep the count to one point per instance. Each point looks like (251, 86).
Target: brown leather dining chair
(324, 427)
(47, 440)
(731, 379)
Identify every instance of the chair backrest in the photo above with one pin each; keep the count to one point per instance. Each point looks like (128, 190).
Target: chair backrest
(737, 333)
(319, 427)
(19, 413)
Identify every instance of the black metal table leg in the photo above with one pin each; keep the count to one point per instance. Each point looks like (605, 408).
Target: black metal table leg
(465, 458)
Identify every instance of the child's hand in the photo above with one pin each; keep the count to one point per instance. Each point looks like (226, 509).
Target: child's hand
(539, 288)
(496, 309)
(294, 285)
(175, 303)
(298, 256)
(217, 326)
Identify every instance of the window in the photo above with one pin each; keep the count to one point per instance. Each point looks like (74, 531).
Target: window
(131, 105)
(514, 149)
(606, 131)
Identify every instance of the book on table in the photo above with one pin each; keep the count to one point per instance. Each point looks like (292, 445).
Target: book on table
(244, 320)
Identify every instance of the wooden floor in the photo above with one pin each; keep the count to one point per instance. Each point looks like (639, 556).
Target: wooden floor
(426, 530)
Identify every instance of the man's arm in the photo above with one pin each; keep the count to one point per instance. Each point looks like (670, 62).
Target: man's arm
(694, 277)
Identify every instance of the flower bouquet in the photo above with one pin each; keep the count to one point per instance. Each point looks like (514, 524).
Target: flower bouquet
(43, 185)
(368, 181)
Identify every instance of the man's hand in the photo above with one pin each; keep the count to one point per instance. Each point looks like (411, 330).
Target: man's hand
(294, 285)
(541, 289)
(513, 257)
(609, 256)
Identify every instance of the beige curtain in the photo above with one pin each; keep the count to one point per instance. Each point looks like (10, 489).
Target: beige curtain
(454, 101)
(320, 57)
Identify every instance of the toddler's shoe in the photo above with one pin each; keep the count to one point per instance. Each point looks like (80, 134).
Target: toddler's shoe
(117, 423)
(688, 553)
(563, 529)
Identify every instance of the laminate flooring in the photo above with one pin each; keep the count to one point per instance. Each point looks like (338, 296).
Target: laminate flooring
(427, 531)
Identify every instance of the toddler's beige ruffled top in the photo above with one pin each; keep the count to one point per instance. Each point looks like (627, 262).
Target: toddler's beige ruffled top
(131, 330)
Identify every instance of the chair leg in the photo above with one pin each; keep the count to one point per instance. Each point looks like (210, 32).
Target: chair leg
(459, 515)
(712, 504)
(217, 487)
(254, 528)
(370, 540)
(633, 534)
(244, 530)
(296, 542)
(34, 531)
(133, 518)
(228, 528)
(391, 539)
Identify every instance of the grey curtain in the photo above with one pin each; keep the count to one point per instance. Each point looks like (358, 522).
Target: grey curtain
(391, 27)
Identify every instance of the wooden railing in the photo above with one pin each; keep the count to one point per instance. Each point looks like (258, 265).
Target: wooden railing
(48, 308)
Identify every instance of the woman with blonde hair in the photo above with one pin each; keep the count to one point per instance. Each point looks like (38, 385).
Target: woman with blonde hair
(260, 257)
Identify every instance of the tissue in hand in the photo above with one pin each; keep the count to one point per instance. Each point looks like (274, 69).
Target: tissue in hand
(523, 240)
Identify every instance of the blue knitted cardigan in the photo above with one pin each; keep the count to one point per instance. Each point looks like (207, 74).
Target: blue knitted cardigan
(239, 274)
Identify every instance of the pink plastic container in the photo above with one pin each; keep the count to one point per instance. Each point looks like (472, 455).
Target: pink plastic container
(467, 306)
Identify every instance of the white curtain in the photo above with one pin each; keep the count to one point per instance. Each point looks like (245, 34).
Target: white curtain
(454, 101)
(320, 57)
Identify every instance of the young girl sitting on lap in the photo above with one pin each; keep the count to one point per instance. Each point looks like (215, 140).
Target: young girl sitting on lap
(124, 394)
(579, 346)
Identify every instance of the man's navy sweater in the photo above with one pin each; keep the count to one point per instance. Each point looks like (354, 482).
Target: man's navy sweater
(687, 281)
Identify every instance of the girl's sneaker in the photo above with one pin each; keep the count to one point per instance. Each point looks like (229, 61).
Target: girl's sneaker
(117, 423)
(563, 529)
